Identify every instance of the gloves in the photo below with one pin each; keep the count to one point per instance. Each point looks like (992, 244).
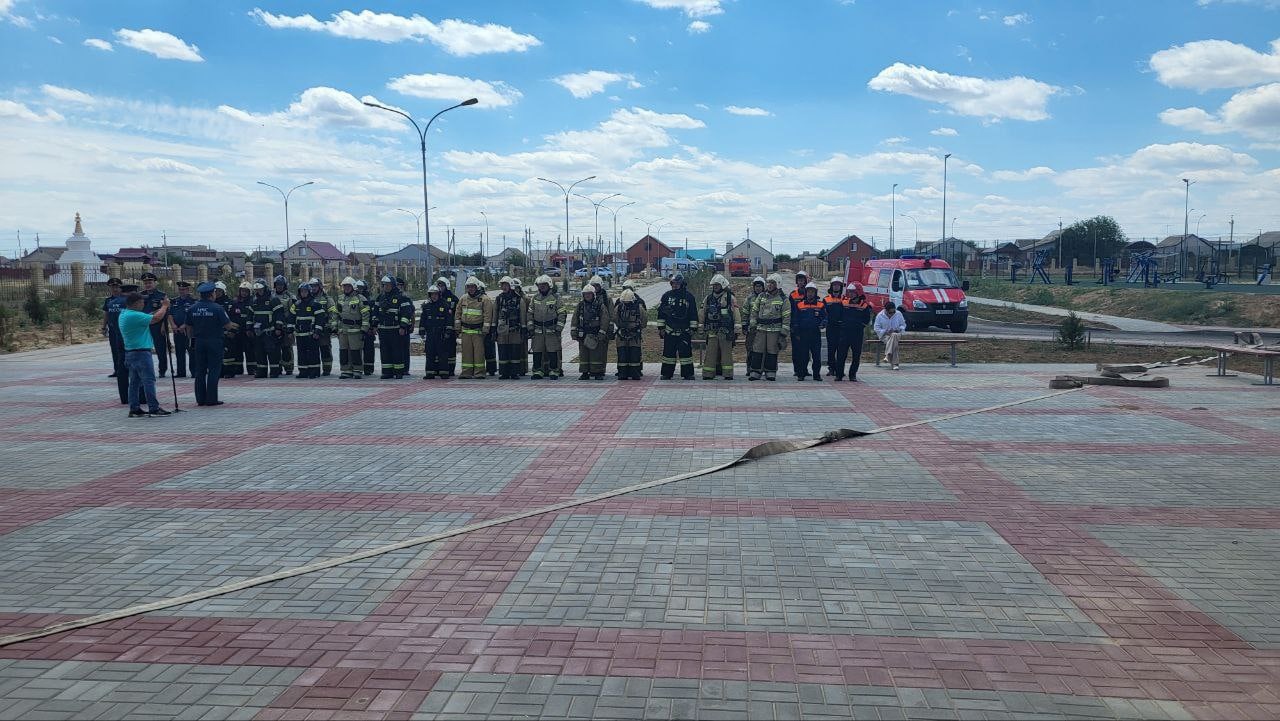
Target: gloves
(782, 342)
(403, 331)
(662, 332)
(575, 334)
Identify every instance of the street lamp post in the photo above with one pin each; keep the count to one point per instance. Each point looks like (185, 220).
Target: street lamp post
(566, 219)
(422, 136)
(417, 220)
(286, 195)
(915, 225)
(617, 246)
(486, 238)
(944, 196)
(893, 214)
(597, 207)
(1186, 223)
(1202, 215)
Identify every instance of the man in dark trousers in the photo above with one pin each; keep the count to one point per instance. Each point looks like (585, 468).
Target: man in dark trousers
(177, 320)
(833, 304)
(807, 323)
(204, 325)
(111, 308)
(152, 297)
(857, 316)
(435, 325)
(677, 320)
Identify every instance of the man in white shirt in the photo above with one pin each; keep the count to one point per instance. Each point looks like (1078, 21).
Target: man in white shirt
(889, 327)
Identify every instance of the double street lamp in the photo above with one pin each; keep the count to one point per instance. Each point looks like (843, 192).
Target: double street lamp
(286, 195)
(566, 192)
(422, 136)
(597, 206)
(617, 246)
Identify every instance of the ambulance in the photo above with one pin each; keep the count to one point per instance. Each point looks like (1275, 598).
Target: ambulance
(925, 290)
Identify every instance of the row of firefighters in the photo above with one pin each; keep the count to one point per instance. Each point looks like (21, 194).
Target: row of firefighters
(498, 334)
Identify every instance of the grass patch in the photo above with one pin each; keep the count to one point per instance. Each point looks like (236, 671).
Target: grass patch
(1010, 314)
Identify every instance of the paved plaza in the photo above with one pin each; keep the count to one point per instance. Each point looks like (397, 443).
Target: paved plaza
(1104, 553)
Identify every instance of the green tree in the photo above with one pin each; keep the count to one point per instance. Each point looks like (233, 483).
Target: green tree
(782, 258)
(35, 306)
(1071, 332)
(1102, 232)
(517, 259)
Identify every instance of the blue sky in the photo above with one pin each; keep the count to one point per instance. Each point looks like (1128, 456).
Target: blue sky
(792, 119)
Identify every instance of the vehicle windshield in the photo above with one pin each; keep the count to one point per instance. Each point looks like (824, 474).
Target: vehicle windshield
(931, 278)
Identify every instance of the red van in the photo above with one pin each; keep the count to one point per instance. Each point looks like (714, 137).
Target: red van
(925, 290)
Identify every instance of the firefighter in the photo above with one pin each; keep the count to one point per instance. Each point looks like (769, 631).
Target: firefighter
(797, 295)
(353, 325)
(406, 345)
(857, 316)
(833, 304)
(268, 326)
(370, 334)
(435, 325)
(770, 319)
(177, 320)
(230, 336)
(281, 287)
(757, 290)
(510, 319)
(806, 333)
(630, 285)
(472, 322)
(490, 338)
(326, 333)
(241, 314)
(152, 297)
(590, 326)
(395, 319)
(524, 332)
(629, 320)
(448, 296)
(546, 323)
(306, 319)
(677, 320)
(720, 323)
(598, 283)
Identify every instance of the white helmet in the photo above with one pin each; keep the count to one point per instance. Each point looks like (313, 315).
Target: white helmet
(481, 284)
(259, 285)
(442, 279)
(349, 281)
(757, 279)
(595, 280)
(220, 286)
(628, 296)
(836, 280)
(811, 284)
(543, 279)
(515, 282)
(800, 273)
(506, 279)
(719, 280)
(628, 283)
(775, 279)
(245, 285)
(473, 281)
(588, 288)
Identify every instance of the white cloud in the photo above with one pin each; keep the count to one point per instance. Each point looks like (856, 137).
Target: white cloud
(1016, 176)
(98, 44)
(321, 106)
(584, 85)
(66, 95)
(1015, 20)
(455, 37)
(6, 13)
(945, 132)
(163, 165)
(702, 106)
(1016, 98)
(160, 44)
(14, 109)
(1209, 64)
(748, 111)
(438, 86)
(1269, 4)
(691, 8)
(54, 39)
(698, 27)
(1254, 113)
(895, 140)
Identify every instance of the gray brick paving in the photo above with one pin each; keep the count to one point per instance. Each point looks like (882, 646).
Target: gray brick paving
(1233, 574)
(353, 468)
(765, 425)
(808, 576)
(865, 472)
(1054, 427)
(90, 690)
(479, 695)
(723, 394)
(475, 423)
(1220, 400)
(100, 559)
(1264, 423)
(937, 399)
(225, 421)
(1131, 479)
(509, 393)
(51, 465)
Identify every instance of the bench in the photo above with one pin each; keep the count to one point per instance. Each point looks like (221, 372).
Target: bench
(1268, 361)
(908, 341)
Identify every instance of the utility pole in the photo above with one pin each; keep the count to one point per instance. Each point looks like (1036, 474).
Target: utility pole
(893, 214)
(1186, 226)
(1059, 243)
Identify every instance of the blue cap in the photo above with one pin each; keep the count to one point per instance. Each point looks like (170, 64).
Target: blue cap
(205, 287)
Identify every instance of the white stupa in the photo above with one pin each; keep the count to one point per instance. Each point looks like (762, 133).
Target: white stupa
(78, 252)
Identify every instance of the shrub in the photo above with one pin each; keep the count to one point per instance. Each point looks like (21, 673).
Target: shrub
(35, 306)
(1071, 332)
(6, 327)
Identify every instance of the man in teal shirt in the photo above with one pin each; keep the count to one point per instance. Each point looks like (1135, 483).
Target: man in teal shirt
(135, 330)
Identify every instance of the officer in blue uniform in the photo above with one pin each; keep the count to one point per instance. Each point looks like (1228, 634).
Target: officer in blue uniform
(206, 321)
(111, 308)
(152, 297)
(177, 319)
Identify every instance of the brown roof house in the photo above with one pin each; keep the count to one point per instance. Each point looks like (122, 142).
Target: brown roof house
(647, 253)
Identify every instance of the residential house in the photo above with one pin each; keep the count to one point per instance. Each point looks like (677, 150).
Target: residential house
(363, 260)
(313, 254)
(1001, 256)
(415, 254)
(958, 253)
(850, 248)
(136, 256)
(701, 255)
(760, 257)
(646, 253)
(503, 260)
(44, 255)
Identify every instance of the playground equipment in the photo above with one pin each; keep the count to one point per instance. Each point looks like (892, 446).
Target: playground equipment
(1213, 276)
(1109, 271)
(1013, 271)
(1264, 274)
(1037, 269)
(1146, 268)
(1068, 272)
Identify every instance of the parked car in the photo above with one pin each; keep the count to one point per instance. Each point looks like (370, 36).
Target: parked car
(604, 272)
(582, 273)
(551, 272)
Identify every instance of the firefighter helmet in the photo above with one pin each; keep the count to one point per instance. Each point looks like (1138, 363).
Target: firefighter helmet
(220, 286)
(543, 279)
(719, 280)
(627, 296)
(775, 279)
(757, 279)
(349, 281)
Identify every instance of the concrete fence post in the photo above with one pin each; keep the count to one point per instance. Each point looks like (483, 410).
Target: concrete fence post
(202, 273)
(77, 280)
(37, 276)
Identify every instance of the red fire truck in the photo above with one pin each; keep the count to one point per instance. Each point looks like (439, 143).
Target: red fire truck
(738, 267)
(926, 290)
